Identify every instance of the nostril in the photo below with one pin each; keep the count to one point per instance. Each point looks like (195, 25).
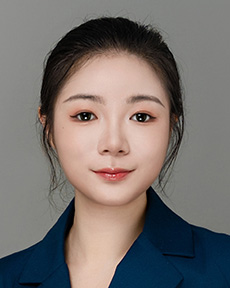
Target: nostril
(107, 151)
(113, 146)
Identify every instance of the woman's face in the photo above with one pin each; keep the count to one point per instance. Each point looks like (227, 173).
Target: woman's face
(112, 128)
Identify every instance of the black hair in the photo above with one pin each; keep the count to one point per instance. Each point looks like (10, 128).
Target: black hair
(105, 35)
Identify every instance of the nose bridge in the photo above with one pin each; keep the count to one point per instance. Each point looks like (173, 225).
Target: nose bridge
(113, 138)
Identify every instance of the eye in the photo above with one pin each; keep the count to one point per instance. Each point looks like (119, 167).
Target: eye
(84, 116)
(142, 117)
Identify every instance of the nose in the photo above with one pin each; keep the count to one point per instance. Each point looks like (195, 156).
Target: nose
(113, 141)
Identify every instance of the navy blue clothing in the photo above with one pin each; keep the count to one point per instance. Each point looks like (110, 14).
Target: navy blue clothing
(168, 253)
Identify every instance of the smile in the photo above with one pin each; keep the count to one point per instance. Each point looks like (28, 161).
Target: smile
(113, 174)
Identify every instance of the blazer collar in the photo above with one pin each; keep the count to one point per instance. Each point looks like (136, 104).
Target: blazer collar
(145, 266)
(48, 255)
(164, 233)
(166, 230)
(146, 263)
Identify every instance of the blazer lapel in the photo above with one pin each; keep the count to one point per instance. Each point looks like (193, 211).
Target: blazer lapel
(145, 266)
(59, 279)
(167, 231)
(146, 263)
(46, 264)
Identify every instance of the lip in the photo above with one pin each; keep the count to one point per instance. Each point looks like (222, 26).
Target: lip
(113, 174)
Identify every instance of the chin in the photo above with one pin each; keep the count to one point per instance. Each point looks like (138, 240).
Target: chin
(114, 197)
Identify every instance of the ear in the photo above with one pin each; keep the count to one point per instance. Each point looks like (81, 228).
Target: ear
(174, 120)
(42, 119)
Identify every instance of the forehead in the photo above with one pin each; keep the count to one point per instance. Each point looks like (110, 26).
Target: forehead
(114, 74)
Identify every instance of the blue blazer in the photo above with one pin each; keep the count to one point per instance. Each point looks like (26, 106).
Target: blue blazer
(169, 253)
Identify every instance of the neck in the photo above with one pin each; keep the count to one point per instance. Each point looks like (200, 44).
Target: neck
(100, 232)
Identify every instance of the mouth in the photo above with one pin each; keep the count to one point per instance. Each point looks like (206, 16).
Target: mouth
(113, 174)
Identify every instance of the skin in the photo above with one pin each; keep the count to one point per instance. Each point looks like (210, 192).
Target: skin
(110, 89)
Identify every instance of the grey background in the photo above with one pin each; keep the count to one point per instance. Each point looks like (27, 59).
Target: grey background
(198, 32)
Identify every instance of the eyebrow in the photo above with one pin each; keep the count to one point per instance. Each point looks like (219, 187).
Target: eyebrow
(93, 98)
(99, 99)
(140, 98)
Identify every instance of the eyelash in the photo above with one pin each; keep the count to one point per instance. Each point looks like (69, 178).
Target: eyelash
(143, 116)
(83, 115)
(88, 116)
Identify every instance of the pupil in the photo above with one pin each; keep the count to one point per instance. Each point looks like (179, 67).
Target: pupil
(85, 116)
(141, 117)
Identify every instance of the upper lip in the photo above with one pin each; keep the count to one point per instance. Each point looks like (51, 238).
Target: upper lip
(112, 170)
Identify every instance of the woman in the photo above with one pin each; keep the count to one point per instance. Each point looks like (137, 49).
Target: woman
(112, 115)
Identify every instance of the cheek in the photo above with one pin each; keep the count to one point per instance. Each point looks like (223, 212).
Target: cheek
(155, 146)
(71, 143)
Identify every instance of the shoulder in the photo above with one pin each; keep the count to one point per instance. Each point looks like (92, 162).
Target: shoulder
(215, 248)
(11, 266)
(218, 244)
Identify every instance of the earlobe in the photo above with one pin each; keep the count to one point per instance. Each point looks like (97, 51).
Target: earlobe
(175, 117)
(42, 118)
(174, 120)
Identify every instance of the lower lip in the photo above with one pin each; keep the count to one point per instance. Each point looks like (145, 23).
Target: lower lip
(113, 176)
